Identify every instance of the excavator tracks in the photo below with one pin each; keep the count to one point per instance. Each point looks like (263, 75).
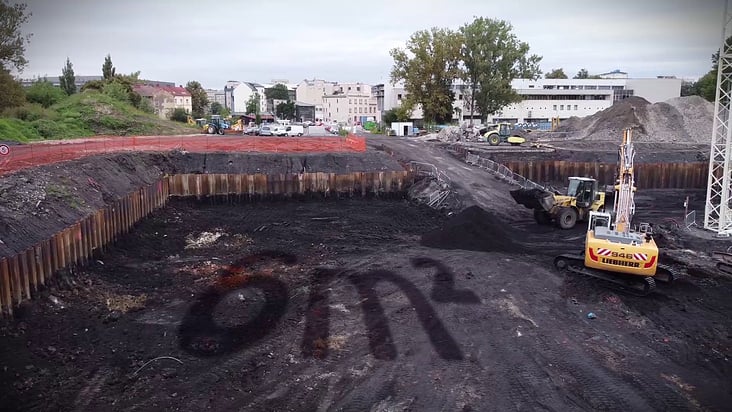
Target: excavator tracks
(634, 285)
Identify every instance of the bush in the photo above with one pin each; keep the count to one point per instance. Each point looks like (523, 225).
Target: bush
(117, 91)
(146, 106)
(48, 129)
(44, 93)
(179, 115)
(11, 92)
(30, 112)
(17, 130)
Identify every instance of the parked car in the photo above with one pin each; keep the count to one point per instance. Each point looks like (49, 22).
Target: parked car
(294, 130)
(251, 130)
(264, 131)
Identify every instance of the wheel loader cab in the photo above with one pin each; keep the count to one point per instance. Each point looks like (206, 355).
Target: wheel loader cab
(584, 190)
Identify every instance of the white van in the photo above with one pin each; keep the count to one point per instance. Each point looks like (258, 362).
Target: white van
(279, 130)
(295, 130)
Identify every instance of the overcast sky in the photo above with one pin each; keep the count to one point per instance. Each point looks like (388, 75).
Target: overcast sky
(253, 40)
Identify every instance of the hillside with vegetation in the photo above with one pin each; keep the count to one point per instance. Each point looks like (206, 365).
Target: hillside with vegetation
(89, 113)
(109, 106)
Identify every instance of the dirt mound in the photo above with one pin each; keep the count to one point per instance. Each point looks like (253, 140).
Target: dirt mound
(682, 120)
(473, 229)
(698, 116)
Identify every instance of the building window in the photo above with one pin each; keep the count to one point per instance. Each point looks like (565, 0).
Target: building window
(561, 107)
(399, 97)
(349, 101)
(349, 110)
(460, 97)
(358, 89)
(349, 87)
(575, 107)
(555, 107)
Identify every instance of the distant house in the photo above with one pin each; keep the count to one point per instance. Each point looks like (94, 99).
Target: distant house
(165, 99)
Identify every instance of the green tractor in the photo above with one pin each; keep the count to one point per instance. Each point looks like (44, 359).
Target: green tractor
(502, 133)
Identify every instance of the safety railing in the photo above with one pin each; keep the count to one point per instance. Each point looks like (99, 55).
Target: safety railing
(502, 172)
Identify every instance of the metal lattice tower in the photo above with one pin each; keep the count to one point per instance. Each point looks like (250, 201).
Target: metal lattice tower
(717, 213)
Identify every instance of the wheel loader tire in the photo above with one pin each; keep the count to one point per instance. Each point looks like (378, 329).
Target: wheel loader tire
(221, 131)
(211, 130)
(494, 140)
(542, 217)
(567, 218)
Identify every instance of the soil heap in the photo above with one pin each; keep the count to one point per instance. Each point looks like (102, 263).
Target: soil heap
(678, 120)
(473, 229)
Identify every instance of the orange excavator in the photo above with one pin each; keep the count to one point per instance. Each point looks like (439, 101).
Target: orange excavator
(615, 251)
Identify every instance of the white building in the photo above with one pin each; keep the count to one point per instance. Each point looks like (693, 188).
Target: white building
(348, 103)
(351, 108)
(237, 94)
(216, 96)
(544, 99)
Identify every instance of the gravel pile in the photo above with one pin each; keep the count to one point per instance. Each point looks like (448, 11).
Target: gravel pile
(450, 134)
(678, 120)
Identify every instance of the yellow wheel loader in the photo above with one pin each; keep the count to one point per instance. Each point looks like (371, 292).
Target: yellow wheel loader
(565, 210)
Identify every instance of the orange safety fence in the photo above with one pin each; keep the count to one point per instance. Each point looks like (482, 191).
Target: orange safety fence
(17, 157)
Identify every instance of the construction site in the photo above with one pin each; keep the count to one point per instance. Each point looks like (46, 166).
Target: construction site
(366, 273)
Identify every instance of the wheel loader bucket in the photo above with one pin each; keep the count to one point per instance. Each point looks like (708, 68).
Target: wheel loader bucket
(533, 198)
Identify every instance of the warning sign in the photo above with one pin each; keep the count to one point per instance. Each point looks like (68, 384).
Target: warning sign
(4, 150)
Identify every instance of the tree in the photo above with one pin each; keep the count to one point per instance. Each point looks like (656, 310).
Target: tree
(706, 86)
(117, 90)
(179, 115)
(44, 93)
(11, 92)
(493, 56)
(397, 114)
(199, 98)
(277, 92)
(12, 41)
(556, 74)
(108, 70)
(285, 110)
(216, 108)
(67, 79)
(428, 67)
(582, 74)
(253, 104)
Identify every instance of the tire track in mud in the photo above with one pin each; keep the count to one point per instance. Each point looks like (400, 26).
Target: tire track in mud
(604, 390)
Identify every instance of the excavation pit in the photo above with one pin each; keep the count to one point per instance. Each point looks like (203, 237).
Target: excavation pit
(352, 303)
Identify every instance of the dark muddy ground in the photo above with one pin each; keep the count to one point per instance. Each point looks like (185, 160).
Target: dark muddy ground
(337, 306)
(352, 304)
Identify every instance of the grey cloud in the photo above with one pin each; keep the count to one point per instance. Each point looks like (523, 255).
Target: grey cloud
(258, 40)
